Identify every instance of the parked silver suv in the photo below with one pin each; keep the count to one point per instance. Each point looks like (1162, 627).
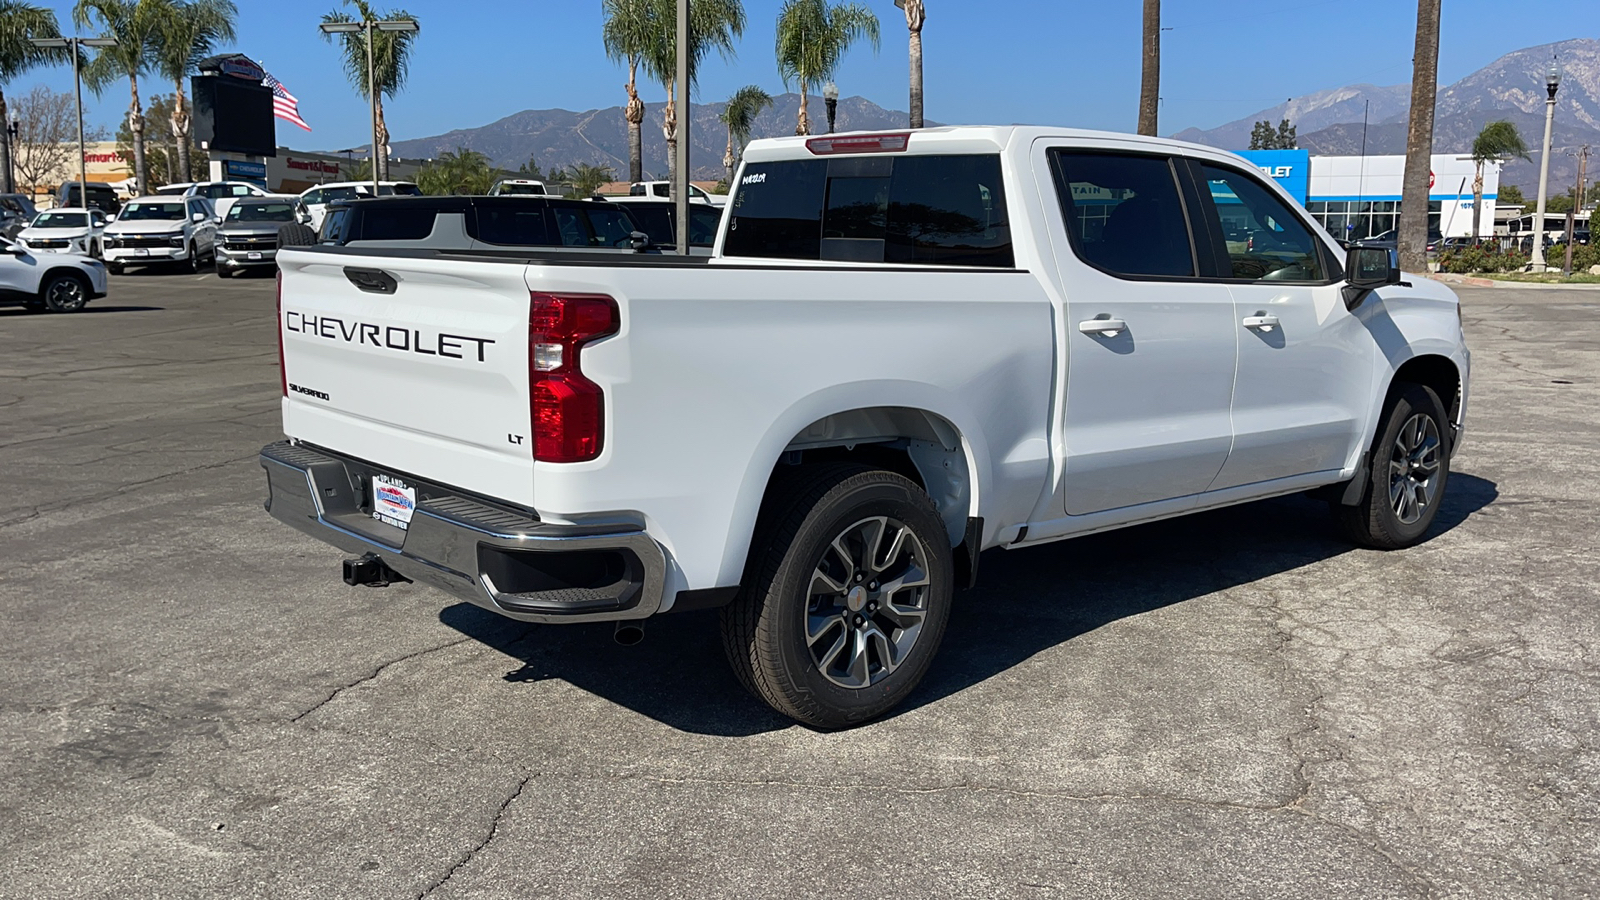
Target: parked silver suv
(248, 238)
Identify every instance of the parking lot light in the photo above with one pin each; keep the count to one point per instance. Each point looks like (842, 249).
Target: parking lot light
(1552, 82)
(74, 45)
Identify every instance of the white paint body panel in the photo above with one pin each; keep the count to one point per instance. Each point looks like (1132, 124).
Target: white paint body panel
(718, 368)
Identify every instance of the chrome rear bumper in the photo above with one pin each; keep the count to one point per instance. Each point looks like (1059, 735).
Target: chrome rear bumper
(503, 561)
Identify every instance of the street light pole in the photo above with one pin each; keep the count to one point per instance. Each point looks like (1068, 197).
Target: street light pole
(1552, 81)
(367, 27)
(74, 46)
(685, 116)
(12, 129)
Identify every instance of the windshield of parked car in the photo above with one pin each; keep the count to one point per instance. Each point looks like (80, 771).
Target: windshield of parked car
(61, 220)
(134, 212)
(245, 211)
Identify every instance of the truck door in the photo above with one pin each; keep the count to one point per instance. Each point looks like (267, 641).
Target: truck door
(1151, 346)
(1305, 363)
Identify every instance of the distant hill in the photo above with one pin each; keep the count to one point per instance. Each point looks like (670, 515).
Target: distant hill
(1511, 87)
(559, 137)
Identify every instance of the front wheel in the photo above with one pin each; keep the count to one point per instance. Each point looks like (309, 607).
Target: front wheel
(193, 262)
(1409, 467)
(846, 597)
(64, 294)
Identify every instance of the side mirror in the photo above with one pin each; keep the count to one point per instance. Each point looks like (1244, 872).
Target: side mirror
(639, 241)
(16, 250)
(1367, 268)
(198, 217)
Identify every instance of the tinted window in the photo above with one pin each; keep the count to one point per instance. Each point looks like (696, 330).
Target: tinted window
(390, 224)
(777, 210)
(947, 210)
(703, 225)
(404, 189)
(1123, 213)
(513, 227)
(572, 227)
(1265, 239)
(612, 227)
(655, 219)
(336, 226)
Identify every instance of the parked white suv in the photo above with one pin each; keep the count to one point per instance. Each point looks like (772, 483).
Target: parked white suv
(906, 349)
(161, 229)
(315, 200)
(662, 190)
(222, 194)
(58, 282)
(507, 186)
(65, 231)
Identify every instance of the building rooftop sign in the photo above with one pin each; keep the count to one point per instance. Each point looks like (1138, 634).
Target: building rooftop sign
(236, 64)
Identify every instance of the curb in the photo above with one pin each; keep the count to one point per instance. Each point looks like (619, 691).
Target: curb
(1469, 281)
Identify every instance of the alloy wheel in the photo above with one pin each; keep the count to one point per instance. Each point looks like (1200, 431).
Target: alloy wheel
(868, 601)
(66, 295)
(1414, 464)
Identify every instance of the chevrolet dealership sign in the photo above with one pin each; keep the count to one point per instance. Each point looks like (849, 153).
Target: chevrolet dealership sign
(1291, 169)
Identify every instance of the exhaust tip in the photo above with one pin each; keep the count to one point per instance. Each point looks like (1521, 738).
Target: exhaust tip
(628, 633)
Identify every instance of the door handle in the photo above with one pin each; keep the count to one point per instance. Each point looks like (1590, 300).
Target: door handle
(373, 281)
(1261, 322)
(1105, 327)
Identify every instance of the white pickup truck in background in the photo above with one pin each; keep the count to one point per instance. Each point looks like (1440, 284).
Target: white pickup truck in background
(905, 349)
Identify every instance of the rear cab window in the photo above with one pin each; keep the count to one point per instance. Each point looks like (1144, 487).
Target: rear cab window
(935, 209)
(1124, 213)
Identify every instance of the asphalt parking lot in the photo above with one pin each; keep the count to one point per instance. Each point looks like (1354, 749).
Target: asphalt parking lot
(1233, 705)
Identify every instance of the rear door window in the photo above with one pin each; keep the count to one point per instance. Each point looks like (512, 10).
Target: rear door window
(611, 227)
(513, 227)
(1123, 213)
(935, 209)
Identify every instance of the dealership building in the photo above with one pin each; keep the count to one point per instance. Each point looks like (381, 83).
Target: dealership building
(1357, 197)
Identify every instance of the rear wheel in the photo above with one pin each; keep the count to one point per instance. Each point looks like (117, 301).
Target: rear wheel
(193, 262)
(1409, 468)
(846, 598)
(64, 293)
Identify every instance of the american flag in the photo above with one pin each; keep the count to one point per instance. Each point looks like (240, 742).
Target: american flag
(284, 104)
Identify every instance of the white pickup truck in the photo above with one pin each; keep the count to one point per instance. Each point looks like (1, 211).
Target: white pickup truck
(905, 349)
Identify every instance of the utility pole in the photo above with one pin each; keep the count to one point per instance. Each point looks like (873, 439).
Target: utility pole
(685, 116)
(1577, 204)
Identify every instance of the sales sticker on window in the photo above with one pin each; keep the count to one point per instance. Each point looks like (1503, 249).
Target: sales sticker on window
(393, 501)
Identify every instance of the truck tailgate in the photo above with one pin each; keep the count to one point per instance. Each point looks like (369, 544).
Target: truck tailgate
(418, 364)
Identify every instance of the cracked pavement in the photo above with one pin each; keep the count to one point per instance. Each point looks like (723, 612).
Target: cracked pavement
(1236, 704)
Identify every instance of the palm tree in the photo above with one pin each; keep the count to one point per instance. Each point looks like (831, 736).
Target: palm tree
(813, 36)
(1150, 77)
(631, 33)
(190, 31)
(135, 25)
(740, 115)
(1419, 140)
(19, 22)
(915, 17)
(713, 25)
(1498, 141)
(586, 178)
(391, 61)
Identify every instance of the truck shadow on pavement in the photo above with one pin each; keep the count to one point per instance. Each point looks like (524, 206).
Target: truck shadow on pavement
(20, 312)
(1026, 601)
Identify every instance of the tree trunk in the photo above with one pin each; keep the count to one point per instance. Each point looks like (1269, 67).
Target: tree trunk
(380, 153)
(141, 171)
(669, 130)
(803, 125)
(1419, 140)
(915, 16)
(180, 132)
(1150, 81)
(1477, 202)
(634, 113)
(5, 149)
(728, 159)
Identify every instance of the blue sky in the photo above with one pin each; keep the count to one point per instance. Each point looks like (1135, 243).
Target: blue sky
(986, 61)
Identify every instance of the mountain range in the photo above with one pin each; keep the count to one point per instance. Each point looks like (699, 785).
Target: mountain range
(1512, 87)
(1328, 122)
(559, 137)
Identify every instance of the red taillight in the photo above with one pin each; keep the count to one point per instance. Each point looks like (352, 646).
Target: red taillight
(859, 143)
(283, 373)
(568, 409)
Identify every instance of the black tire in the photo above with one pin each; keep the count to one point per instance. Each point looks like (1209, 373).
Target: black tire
(1413, 436)
(64, 293)
(296, 234)
(765, 630)
(115, 268)
(193, 262)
